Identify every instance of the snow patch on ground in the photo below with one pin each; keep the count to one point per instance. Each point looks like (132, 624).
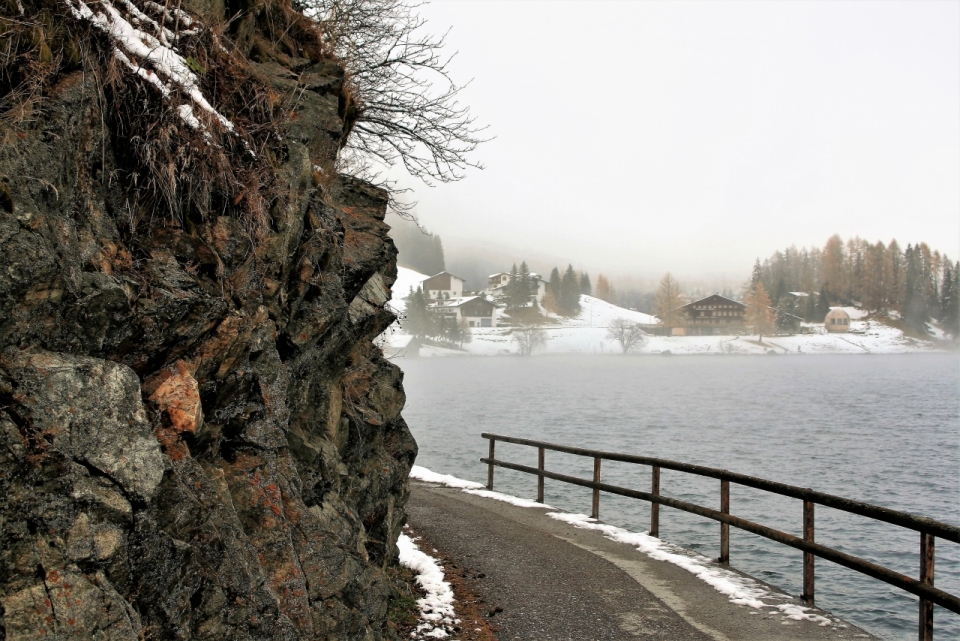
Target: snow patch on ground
(436, 608)
(740, 590)
(423, 474)
(506, 498)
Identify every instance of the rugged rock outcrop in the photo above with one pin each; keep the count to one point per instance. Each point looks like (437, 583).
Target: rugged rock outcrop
(198, 438)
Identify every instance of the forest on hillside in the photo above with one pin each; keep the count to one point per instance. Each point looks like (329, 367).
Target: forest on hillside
(914, 283)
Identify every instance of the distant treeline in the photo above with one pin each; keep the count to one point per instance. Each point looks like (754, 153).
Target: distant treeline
(918, 283)
(419, 249)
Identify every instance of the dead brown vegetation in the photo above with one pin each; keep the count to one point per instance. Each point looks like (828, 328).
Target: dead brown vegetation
(167, 170)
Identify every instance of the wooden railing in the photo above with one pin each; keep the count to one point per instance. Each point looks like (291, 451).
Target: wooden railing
(929, 529)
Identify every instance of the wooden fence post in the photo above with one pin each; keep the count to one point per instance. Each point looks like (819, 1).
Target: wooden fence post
(490, 465)
(724, 527)
(540, 458)
(596, 492)
(926, 576)
(808, 557)
(655, 507)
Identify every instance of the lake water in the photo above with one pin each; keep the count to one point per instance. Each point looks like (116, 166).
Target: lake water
(880, 429)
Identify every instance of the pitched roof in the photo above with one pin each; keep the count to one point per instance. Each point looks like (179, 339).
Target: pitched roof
(724, 298)
(453, 302)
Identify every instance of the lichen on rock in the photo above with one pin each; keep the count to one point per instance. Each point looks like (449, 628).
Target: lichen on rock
(198, 438)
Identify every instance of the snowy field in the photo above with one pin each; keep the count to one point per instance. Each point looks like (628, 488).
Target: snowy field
(586, 333)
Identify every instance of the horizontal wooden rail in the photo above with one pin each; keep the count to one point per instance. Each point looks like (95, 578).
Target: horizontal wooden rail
(909, 521)
(928, 528)
(901, 581)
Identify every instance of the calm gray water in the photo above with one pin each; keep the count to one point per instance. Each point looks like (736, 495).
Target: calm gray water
(881, 429)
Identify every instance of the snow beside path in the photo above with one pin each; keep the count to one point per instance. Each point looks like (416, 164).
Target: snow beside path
(739, 589)
(423, 474)
(470, 487)
(436, 608)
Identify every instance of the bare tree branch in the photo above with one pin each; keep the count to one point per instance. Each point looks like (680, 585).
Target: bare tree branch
(407, 105)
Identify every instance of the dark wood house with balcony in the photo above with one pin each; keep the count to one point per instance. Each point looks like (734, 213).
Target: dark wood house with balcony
(712, 315)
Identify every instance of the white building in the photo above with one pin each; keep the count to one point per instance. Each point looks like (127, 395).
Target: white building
(443, 286)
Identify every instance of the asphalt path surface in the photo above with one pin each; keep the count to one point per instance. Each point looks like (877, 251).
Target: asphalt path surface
(546, 580)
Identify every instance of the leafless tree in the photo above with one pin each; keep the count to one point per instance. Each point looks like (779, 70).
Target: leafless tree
(529, 339)
(406, 105)
(628, 334)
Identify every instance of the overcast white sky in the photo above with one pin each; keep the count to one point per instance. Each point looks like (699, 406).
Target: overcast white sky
(695, 136)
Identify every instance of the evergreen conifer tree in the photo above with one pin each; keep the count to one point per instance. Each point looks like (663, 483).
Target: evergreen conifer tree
(585, 287)
(823, 304)
(915, 314)
(786, 313)
(524, 285)
(554, 285)
(419, 321)
(569, 292)
(950, 305)
(757, 274)
(510, 290)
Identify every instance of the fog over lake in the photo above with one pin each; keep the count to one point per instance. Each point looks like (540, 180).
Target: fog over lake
(881, 429)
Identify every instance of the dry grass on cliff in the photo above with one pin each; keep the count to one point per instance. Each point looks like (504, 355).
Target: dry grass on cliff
(169, 171)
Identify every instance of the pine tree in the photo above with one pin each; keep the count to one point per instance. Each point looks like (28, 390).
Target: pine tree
(950, 303)
(451, 331)
(569, 292)
(419, 321)
(510, 294)
(465, 335)
(757, 274)
(554, 286)
(524, 285)
(915, 310)
(823, 304)
(585, 288)
(786, 313)
(946, 293)
(810, 308)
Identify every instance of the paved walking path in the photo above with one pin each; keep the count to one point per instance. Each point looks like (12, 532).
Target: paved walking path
(560, 583)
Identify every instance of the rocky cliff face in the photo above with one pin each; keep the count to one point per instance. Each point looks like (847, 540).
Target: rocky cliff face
(198, 439)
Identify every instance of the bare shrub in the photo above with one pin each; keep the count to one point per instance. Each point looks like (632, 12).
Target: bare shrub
(405, 103)
(628, 334)
(529, 339)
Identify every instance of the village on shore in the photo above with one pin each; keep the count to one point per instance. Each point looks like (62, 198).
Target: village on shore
(439, 316)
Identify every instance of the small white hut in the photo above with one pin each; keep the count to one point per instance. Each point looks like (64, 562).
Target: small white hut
(837, 320)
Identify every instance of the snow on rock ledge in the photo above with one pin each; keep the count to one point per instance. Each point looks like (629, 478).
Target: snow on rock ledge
(148, 49)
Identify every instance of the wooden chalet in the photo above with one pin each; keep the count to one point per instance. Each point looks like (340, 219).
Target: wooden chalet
(714, 314)
(476, 310)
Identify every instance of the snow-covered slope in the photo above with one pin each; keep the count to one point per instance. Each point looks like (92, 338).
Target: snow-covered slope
(598, 313)
(407, 279)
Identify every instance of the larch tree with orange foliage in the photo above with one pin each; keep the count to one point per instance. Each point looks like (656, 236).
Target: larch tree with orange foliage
(759, 313)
